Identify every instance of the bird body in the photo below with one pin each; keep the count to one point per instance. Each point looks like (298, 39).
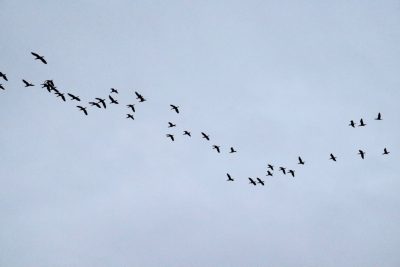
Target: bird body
(4, 76)
(379, 118)
(140, 97)
(131, 106)
(271, 167)
(102, 101)
(171, 136)
(229, 177)
(95, 104)
(187, 133)
(83, 109)
(291, 172)
(269, 173)
(301, 162)
(282, 169)
(352, 124)
(1, 87)
(260, 181)
(232, 150)
(361, 153)
(74, 97)
(385, 151)
(252, 181)
(58, 94)
(113, 101)
(170, 125)
(114, 91)
(130, 116)
(41, 58)
(207, 137)
(332, 157)
(217, 148)
(27, 84)
(362, 123)
(176, 108)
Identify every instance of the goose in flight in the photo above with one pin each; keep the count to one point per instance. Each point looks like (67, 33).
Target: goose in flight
(291, 172)
(352, 124)
(170, 125)
(269, 173)
(361, 153)
(131, 106)
(27, 84)
(130, 116)
(102, 101)
(2, 75)
(41, 58)
(270, 167)
(113, 101)
(385, 151)
(252, 182)
(207, 137)
(171, 136)
(140, 97)
(74, 97)
(379, 118)
(260, 181)
(115, 91)
(332, 157)
(282, 169)
(58, 94)
(83, 109)
(1, 87)
(187, 133)
(232, 150)
(95, 104)
(217, 148)
(229, 177)
(176, 108)
(301, 162)
(362, 123)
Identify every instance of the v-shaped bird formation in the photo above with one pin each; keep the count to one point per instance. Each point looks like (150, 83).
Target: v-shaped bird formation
(101, 103)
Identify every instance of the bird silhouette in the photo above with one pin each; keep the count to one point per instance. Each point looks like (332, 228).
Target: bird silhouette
(362, 123)
(114, 91)
(83, 109)
(271, 167)
(95, 104)
(176, 108)
(291, 172)
(170, 125)
(130, 116)
(4, 76)
(352, 124)
(301, 162)
(385, 151)
(1, 87)
(187, 133)
(252, 182)
(207, 137)
(102, 101)
(232, 150)
(131, 106)
(74, 97)
(361, 153)
(113, 101)
(282, 169)
(41, 58)
(332, 157)
(229, 177)
(140, 97)
(217, 148)
(260, 181)
(27, 84)
(269, 173)
(379, 118)
(58, 94)
(171, 136)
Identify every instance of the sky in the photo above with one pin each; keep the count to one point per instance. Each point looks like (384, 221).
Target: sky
(274, 79)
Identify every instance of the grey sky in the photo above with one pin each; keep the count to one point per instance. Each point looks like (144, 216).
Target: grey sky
(275, 79)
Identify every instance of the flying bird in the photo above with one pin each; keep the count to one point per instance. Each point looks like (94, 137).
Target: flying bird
(301, 162)
(170, 125)
(207, 137)
(1, 87)
(114, 91)
(176, 108)
(41, 58)
(362, 123)
(131, 106)
(291, 172)
(361, 153)
(95, 104)
(229, 177)
(187, 133)
(74, 97)
(385, 151)
(379, 118)
(332, 157)
(232, 150)
(2, 75)
(140, 97)
(113, 101)
(269, 173)
(130, 116)
(217, 148)
(282, 169)
(252, 182)
(102, 101)
(352, 124)
(83, 109)
(171, 136)
(27, 84)
(260, 181)
(60, 95)
(270, 167)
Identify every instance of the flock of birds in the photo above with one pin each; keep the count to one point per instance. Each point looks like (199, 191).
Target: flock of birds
(100, 103)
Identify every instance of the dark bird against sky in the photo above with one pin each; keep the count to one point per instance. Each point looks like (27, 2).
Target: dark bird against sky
(39, 57)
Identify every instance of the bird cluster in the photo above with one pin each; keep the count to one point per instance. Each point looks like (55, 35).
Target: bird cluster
(100, 103)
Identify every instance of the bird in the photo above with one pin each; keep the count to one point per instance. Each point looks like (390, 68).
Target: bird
(217, 148)
(352, 124)
(95, 104)
(131, 106)
(60, 95)
(301, 162)
(2, 75)
(83, 109)
(27, 84)
(41, 58)
(130, 116)
(283, 170)
(260, 181)
(114, 91)
(102, 101)
(385, 151)
(173, 107)
(170, 125)
(1, 87)
(270, 167)
(232, 150)
(291, 172)
(74, 97)
(361, 153)
(332, 157)
(379, 118)
(207, 137)
(229, 177)
(140, 97)
(187, 133)
(252, 182)
(113, 101)
(269, 173)
(171, 136)
(362, 123)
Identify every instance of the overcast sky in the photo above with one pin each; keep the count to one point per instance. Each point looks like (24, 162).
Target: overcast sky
(274, 79)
